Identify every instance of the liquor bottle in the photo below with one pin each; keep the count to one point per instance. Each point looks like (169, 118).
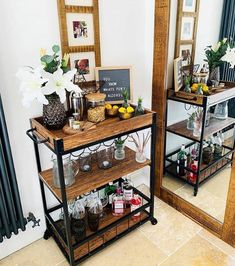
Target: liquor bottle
(127, 191)
(193, 166)
(109, 191)
(118, 205)
(182, 161)
(136, 203)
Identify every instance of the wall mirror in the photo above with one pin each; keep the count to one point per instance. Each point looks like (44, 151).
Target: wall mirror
(189, 34)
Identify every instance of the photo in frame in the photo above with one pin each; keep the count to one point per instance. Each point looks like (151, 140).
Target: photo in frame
(116, 80)
(85, 64)
(80, 28)
(189, 6)
(186, 54)
(178, 75)
(187, 28)
(79, 2)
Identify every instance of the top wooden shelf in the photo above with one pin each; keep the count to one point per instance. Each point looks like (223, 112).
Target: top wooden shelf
(104, 130)
(218, 95)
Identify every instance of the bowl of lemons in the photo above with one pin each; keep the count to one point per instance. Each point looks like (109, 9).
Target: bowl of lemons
(111, 110)
(126, 113)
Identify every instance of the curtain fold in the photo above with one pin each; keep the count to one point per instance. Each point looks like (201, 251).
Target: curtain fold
(11, 214)
(227, 30)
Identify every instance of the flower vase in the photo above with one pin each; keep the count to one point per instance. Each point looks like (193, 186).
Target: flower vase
(54, 114)
(119, 153)
(214, 77)
(140, 156)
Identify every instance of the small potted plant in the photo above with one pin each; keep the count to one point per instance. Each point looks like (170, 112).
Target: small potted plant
(139, 109)
(119, 153)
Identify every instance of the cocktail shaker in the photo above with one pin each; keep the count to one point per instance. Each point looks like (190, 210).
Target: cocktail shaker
(77, 105)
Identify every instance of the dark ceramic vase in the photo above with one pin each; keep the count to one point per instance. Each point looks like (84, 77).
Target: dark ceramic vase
(54, 114)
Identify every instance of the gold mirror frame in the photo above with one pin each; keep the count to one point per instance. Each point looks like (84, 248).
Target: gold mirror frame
(226, 230)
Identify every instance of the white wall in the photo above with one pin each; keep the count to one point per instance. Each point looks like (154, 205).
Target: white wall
(28, 25)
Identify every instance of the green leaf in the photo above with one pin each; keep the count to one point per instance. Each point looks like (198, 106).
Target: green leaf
(55, 49)
(47, 59)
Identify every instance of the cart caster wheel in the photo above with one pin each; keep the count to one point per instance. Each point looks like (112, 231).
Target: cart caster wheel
(154, 221)
(47, 234)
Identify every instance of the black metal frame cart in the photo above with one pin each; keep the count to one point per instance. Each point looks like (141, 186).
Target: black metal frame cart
(111, 227)
(204, 171)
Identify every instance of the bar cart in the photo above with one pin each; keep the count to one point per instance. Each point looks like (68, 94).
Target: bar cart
(111, 227)
(203, 171)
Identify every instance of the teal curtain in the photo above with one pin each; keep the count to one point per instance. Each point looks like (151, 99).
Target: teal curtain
(227, 30)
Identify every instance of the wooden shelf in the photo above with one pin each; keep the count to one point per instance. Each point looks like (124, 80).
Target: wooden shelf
(87, 181)
(98, 241)
(108, 128)
(216, 125)
(218, 95)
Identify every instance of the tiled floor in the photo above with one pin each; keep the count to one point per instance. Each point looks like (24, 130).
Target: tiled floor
(174, 241)
(211, 197)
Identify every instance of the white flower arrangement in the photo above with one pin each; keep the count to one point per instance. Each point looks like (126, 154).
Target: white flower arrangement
(51, 77)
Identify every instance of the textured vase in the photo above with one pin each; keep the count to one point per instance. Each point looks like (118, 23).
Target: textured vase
(54, 115)
(214, 77)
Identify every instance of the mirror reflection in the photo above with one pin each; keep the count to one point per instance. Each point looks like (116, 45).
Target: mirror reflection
(200, 106)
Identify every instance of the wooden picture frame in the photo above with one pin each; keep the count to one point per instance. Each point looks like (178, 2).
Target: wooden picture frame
(226, 230)
(85, 63)
(70, 11)
(186, 26)
(178, 76)
(117, 79)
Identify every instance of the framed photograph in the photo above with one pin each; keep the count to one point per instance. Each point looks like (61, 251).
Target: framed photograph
(117, 80)
(85, 65)
(186, 53)
(79, 2)
(189, 6)
(80, 29)
(178, 75)
(187, 28)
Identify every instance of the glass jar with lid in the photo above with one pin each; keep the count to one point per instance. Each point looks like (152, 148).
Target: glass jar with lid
(96, 107)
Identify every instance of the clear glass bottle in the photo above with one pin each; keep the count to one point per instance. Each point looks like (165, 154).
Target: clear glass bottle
(78, 223)
(118, 205)
(182, 161)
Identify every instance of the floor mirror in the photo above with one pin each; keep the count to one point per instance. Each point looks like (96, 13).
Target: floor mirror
(196, 174)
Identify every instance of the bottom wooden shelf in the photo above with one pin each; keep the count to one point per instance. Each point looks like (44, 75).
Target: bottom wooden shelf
(90, 246)
(211, 171)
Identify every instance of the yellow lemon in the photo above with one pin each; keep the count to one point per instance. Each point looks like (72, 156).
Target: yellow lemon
(108, 106)
(126, 116)
(122, 110)
(194, 87)
(205, 88)
(115, 107)
(130, 109)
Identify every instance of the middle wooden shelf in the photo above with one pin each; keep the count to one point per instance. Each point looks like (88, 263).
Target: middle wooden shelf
(87, 181)
(216, 125)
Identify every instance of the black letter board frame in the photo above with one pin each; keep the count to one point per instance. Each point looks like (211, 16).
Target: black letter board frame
(117, 79)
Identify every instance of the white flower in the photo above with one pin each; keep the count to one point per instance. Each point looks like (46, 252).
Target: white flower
(58, 82)
(31, 85)
(216, 47)
(229, 57)
(224, 40)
